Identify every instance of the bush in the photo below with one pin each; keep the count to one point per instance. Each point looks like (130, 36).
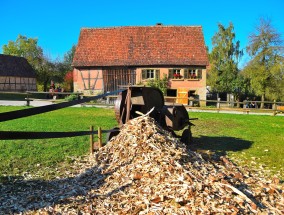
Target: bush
(71, 97)
(162, 84)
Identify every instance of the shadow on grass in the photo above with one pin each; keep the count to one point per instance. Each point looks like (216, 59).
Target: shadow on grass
(219, 145)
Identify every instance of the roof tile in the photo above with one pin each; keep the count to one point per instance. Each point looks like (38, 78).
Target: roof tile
(141, 46)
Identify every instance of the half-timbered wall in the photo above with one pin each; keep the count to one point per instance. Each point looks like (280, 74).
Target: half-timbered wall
(94, 81)
(9, 83)
(88, 81)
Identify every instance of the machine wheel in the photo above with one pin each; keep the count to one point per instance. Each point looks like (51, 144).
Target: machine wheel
(112, 134)
(186, 136)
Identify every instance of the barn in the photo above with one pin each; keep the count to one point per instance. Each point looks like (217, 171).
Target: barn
(107, 58)
(16, 74)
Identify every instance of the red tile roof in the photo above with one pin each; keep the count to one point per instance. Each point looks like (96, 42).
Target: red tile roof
(141, 46)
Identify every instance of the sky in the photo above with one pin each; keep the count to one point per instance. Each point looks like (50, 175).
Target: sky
(57, 23)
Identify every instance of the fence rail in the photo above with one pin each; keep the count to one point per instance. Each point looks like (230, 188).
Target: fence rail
(13, 135)
(110, 96)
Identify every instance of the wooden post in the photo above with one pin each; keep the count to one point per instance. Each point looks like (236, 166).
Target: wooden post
(100, 137)
(128, 105)
(218, 104)
(92, 140)
(274, 108)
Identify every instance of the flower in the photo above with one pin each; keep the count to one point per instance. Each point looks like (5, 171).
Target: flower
(176, 75)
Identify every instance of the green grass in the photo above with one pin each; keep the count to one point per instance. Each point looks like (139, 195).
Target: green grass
(17, 156)
(256, 141)
(249, 140)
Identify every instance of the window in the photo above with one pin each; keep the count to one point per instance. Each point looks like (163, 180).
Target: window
(192, 73)
(150, 74)
(175, 73)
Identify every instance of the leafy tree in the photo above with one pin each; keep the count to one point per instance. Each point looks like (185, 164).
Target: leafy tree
(45, 72)
(66, 69)
(224, 59)
(68, 80)
(27, 48)
(68, 58)
(265, 69)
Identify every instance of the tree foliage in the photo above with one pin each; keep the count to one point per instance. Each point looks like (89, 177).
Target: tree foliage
(27, 48)
(224, 59)
(68, 58)
(265, 69)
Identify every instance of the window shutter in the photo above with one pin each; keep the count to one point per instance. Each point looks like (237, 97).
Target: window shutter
(157, 74)
(199, 74)
(185, 74)
(144, 74)
(171, 73)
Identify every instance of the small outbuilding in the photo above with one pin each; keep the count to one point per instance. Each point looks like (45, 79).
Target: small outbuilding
(16, 74)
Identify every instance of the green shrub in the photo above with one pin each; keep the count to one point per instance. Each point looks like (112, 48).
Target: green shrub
(71, 97)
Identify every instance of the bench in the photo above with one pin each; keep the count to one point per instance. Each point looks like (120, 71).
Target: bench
(28, 100)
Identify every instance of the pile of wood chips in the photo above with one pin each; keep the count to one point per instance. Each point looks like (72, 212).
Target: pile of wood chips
(145, 170)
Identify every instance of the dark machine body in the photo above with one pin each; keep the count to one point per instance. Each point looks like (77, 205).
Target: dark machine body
(138, 99)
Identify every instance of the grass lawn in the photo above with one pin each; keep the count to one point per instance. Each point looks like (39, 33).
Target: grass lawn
(256, 141)
(252, 140)
(17, 156)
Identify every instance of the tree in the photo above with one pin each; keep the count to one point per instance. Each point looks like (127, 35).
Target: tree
(265, 69)
(66, 68)
(45, 72)
(68, 81)
(224, 59)
(27, 48)
(68, 58)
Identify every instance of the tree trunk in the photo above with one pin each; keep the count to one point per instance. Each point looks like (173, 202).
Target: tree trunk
(45, 86)
(237, 99)
(262, 101)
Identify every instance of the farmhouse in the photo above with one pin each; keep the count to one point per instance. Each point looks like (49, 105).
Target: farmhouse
(16, 74)
(107, 58)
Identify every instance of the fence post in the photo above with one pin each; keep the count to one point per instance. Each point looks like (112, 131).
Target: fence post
(99, 137)
(218, 102)
(92, 140)
(274, 107)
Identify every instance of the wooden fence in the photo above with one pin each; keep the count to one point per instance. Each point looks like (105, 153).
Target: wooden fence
(14, 135)
(219, 106)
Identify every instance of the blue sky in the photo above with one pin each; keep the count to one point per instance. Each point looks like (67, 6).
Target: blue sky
(56, 23)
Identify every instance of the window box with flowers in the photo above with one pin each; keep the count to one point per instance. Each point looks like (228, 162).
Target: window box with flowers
(193, 74)
(177, 76)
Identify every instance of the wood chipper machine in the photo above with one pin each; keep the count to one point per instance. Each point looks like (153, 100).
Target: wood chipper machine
(137, 99)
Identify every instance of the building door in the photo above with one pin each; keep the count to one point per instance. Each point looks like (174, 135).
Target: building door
(182, 94)
(115, 79)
